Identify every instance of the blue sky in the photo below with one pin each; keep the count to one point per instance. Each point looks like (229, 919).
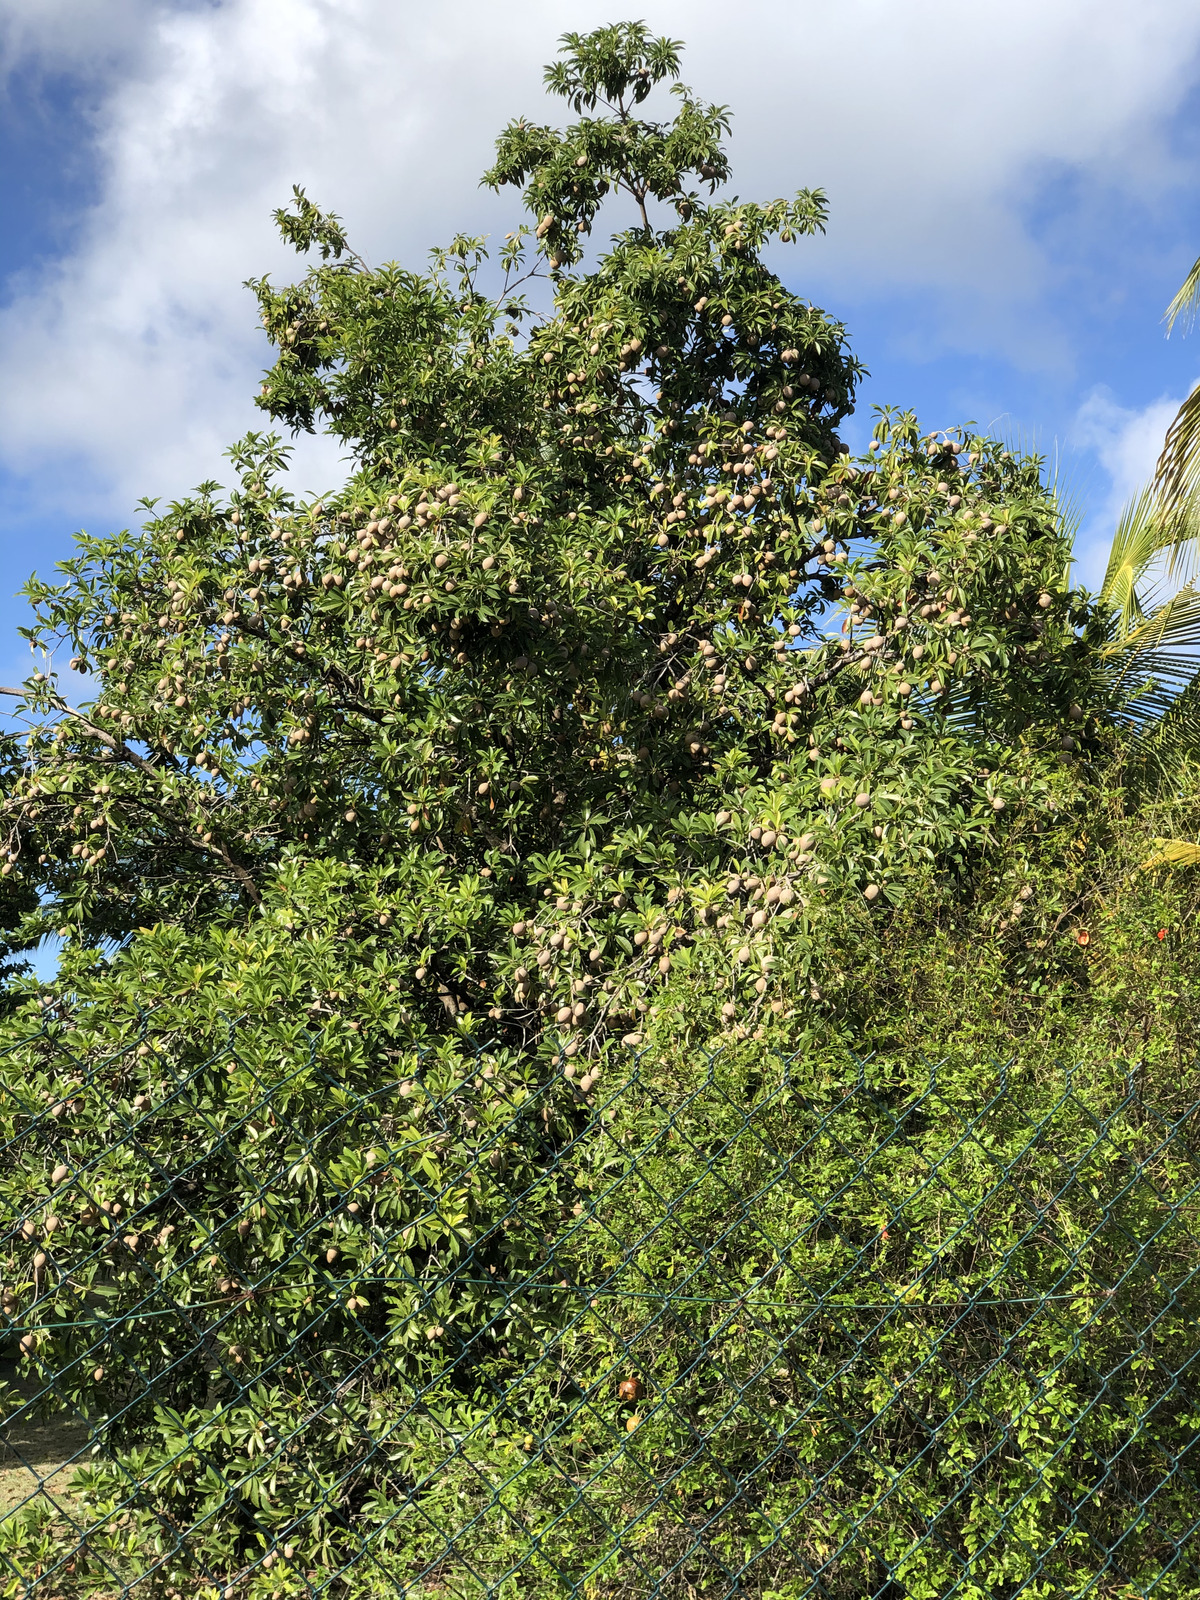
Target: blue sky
(1013, 189)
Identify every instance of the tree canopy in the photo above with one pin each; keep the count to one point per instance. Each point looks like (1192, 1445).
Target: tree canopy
(612, 725)
(604, 613)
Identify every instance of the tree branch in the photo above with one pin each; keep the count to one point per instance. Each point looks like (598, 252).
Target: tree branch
(117, 746)
(122, 751)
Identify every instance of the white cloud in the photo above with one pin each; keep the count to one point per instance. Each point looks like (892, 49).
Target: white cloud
(68, 34)
(1126, 443)
(129, 365)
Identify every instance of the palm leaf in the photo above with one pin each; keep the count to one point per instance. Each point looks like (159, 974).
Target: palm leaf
(1153, 663)
(1134, 546)
(1174, 853)
(1186, 302)
(1177, 475)
(1148, 531)
(1153, 669)
(1152, 658)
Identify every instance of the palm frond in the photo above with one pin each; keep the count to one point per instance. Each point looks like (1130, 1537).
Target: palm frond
(1173, 853)
(1068, 503)
(1186, 302)
(1172, 626)
(1153, 670)
(1134, 546)
(1154, 661)
(1177, 475)
(1168, 734)
(1152, 658)
(1155, 542)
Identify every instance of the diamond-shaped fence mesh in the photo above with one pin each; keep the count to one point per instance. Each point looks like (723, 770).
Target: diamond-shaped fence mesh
(286, 1315)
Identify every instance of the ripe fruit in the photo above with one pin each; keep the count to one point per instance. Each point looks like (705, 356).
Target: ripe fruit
(629, 1390)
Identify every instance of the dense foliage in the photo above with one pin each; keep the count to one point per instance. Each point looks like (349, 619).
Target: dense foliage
(567, 633)
(503, 854)
(922, 1286)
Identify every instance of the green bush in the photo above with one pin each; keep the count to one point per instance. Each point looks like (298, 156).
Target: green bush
(912, 1300)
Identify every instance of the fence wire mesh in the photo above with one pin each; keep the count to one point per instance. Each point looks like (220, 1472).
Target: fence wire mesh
(291, 1316)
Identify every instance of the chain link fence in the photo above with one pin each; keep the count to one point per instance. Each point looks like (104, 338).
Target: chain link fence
(286, 1314)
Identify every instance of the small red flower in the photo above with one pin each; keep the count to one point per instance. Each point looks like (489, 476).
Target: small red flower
(1162, 933)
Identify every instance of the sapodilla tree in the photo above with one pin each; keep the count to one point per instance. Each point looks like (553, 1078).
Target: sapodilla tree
(605, 611)
(607, 678)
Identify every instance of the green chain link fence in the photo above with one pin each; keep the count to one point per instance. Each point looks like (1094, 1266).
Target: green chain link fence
(287, 1315)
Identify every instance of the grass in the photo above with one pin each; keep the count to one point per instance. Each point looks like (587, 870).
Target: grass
(37, 1457)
